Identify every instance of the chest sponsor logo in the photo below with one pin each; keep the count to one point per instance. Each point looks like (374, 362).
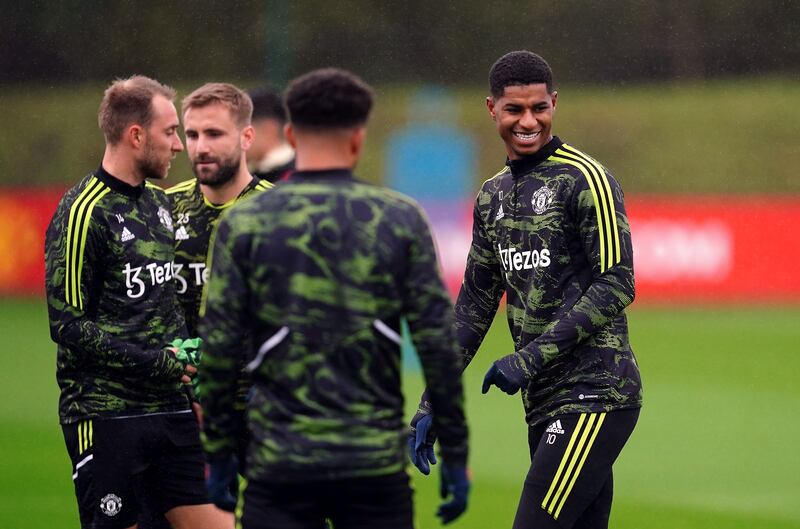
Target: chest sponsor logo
(541, 200)
(165, 218)
(514, 259)
(198, 274)
(139, 278)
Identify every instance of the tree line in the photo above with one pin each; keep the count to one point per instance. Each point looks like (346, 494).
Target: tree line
(602, 41)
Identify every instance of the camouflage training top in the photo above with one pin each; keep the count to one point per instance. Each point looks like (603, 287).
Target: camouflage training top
(320, 271)
(195, 217)
(550, 230)
(111, 300)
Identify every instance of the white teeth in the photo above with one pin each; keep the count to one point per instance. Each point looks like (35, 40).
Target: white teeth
(526, 137)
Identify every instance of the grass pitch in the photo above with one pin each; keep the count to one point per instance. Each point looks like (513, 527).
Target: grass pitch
(715, 446)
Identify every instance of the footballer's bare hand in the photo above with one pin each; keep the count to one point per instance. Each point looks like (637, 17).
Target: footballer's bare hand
(188, 374)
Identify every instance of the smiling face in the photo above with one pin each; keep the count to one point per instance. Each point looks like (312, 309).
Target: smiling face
(524, 117)
(215, 143)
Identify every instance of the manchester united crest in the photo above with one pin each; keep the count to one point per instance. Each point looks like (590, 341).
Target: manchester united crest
(165, 218)
(111, 504)
(541, 199)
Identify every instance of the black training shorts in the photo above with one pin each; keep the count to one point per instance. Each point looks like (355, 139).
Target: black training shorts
(120, 464)
(358, 503)
(570, 483)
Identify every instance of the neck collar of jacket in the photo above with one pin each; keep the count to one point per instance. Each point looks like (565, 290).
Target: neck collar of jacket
(343, 174)
(526, 164)
(118, 185)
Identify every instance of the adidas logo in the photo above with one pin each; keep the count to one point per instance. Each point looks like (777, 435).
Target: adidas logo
(555, 427)
(127, 235)
(500, 213)
(181, 234)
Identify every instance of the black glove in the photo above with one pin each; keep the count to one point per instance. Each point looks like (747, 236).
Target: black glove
(508, 374)
(454, 485)
(222, 478)
(421, 438)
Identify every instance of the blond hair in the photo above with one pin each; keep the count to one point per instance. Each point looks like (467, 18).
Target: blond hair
(238, 102)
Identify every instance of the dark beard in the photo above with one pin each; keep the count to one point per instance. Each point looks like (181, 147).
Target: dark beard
(227, 169)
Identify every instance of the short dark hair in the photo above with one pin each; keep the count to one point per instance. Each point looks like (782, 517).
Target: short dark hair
(267, 104)
(519, 68)
(329, 98)
(127, 102)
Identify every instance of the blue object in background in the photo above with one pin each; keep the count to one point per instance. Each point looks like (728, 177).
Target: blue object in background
(431, 159)
(410, 358)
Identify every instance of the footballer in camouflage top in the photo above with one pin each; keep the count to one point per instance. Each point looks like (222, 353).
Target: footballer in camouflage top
(111, 298)
(128, 428)
(550, 231)
(217, 124)
(327, 401)
(319, 272)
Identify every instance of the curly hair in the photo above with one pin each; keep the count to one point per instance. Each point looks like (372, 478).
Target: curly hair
(329, 98)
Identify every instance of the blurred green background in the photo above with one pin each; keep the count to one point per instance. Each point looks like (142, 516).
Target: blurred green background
(729, 135)
(674, 97)
(680, 96)
(715, 446)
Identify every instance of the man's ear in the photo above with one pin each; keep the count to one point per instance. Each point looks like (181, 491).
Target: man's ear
(490, 108)
(357, 140)
(135, 135)
(247, 137)
(288, 132)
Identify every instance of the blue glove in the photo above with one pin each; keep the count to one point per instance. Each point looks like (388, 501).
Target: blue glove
(508, 373)
(421, 439)
(222, 478)
(454, 484)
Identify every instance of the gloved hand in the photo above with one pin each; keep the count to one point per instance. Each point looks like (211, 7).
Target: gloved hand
(508, 373)
(454, 484)
(421, 438)
(222, 479)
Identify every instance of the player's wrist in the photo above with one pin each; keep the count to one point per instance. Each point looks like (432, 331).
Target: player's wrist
(167, 365)
(453, 456)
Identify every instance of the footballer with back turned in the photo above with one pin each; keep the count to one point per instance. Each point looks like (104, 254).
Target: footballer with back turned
(550, 232)
(320, 270)
(109, 253)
